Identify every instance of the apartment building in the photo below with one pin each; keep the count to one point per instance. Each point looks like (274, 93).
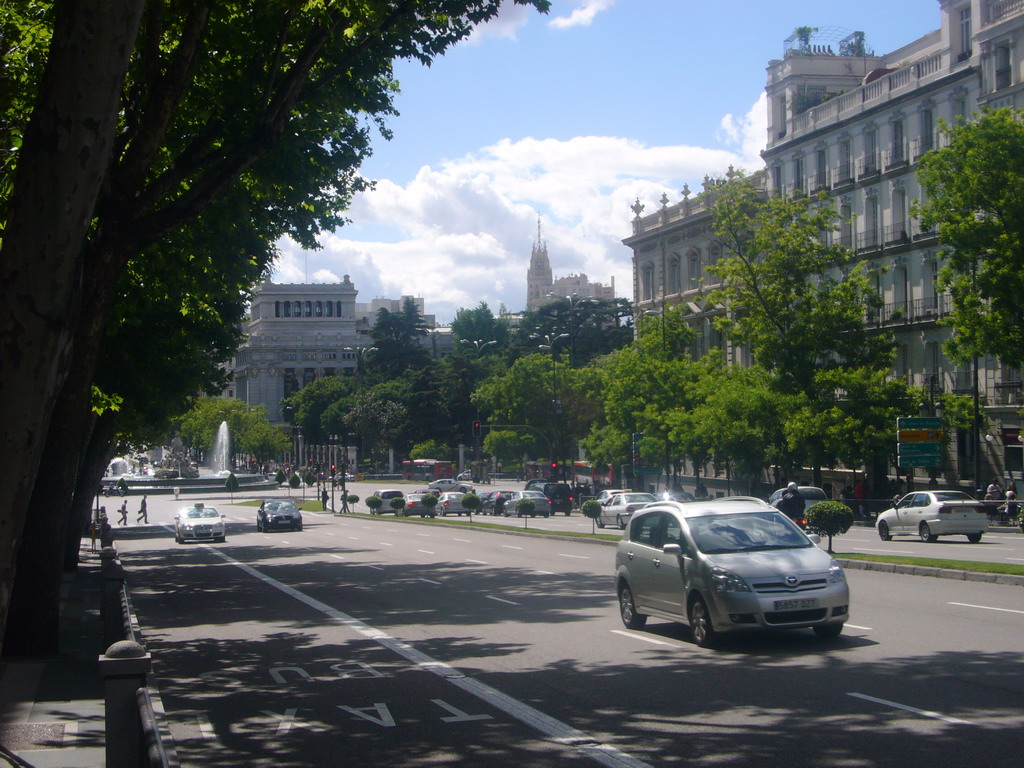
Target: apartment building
(852, 123)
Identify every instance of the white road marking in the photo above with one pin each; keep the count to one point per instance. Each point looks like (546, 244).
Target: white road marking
(353, 538)
(639, 637)
(915, 710)
(375, 567)
(547, 726)
(500, 599)
(988, 607)
(424, 535)
(545, 573)
(855, 626)
(509, 546)
(575, 557)
(477, 562)
(464, 541)
(328, 533)
(884, 551)
(386, 544)
(426, 551)
(338, 557)
(430, 581)
(1020, 559)
(205, 728)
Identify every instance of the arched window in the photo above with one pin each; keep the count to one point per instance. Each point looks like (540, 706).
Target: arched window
(693, 270)
(675, 278)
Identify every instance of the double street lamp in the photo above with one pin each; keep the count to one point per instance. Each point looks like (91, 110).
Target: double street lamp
(574, 301)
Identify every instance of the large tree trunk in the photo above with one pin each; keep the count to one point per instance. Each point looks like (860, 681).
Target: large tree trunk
(65, 153)
(90, 474)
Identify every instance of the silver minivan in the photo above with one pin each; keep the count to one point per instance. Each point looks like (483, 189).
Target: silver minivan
(727, 565)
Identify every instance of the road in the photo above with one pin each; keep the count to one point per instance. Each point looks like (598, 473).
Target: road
(370, 642)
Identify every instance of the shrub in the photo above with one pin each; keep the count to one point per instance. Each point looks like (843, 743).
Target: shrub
(591, 509)
(829, 518)
(525, 507)
(471, 502)
(429, 502)
(397, 504)
(294, 481)
(280, 477)
(374, 502)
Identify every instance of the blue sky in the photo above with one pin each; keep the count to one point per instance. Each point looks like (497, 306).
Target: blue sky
(568, 116)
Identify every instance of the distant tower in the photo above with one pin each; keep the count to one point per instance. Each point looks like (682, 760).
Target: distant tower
(538, 277)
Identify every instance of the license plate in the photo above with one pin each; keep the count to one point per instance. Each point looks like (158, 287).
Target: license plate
(796, 605)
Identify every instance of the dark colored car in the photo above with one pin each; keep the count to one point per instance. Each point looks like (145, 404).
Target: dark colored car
(562, 497)
(278, 515)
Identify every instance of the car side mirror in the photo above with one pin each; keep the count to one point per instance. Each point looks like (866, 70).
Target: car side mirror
(814, 537)
(672, 549)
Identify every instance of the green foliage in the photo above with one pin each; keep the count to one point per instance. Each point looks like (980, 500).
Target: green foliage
(280, 477)
(294, 481)
(376, 419)
(829, 518)
(430, 449)
(429, 501)
(309, 477)
(593, 327)
(397, 337)
(525, 507)
(973, 192)
(374, 502)
(479, 325)
(354, 498)
(471, 502)
(319, 407)
(591, 508)
(231, 483)
(122, 485)
(397, 503)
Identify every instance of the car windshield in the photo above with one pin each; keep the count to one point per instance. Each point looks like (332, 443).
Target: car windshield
(534, 495)
(746, 532)
(632, 498)
(204, 512)
(814, 494)
(280, 506)
(952, 496)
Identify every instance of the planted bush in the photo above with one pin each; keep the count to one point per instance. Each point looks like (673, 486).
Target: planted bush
(829, 518)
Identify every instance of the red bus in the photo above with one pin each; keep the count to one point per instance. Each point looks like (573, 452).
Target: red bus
(427, 470)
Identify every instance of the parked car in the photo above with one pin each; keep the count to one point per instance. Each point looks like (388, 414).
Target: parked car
(278, 514)
(414, 504)
(930, 514)
(679, 495)
(727, 565)
(617, 509)
(812, 495)
(450, 503)
(465, 476)
(387, 494)
(541, 503)
(562, 497)
(607, 493)
(449, 484)
(198, 523)
(537, 484)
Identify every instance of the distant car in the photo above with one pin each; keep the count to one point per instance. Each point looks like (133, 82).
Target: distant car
(727, 565)
(607, 493)
(487, 500)
(414, 504)
(465, 477)
(676, 496)
(387, 494)
(812, 495)
(537, 484)
(619, 508)
(450, 503)
(346, 477)
(541, 503)
(198, 523)
(930, 514)
(449, 484)
(561, 495)
(278, 514)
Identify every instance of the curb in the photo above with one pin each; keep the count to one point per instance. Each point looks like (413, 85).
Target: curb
(939, 573)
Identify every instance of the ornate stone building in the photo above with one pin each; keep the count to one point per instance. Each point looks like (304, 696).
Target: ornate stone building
(542, 288)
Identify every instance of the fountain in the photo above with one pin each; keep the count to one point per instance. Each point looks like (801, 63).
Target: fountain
(220, 455)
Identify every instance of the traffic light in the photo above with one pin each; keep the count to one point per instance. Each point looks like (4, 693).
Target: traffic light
(476, 429)
(554, 465)
(332, 469)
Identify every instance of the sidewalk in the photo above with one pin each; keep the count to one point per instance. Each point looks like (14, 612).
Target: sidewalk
(51, 709)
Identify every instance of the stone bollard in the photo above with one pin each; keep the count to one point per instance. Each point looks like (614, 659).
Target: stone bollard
(124, 668)
(110, 608)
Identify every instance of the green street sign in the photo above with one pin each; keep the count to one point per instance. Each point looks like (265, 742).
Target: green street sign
(934, 450)
(919, 422)
(919, 461)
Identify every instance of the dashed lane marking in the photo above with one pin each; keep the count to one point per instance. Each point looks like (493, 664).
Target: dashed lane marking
(915, 710)
(988, 607)
(634, 636)
(500, 599)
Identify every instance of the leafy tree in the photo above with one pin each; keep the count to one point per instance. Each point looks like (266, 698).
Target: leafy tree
(231, 484)
(479, 325)
(525, 507)
(263, 441)
(593, 326)
(137, 128)
(431, 449)
(429, 502)
(592, 509)
(972, 189)
(374, 503)
(315, 407)
(375, 419)
(471, 502)
(829, 518)
(397, 504)
(280, 477)
(294, 481)
(398, 338)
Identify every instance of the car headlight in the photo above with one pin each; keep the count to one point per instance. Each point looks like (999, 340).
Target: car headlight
(836, 574)
(727, 581)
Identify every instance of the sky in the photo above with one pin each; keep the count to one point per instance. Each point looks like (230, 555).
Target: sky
(562, 120)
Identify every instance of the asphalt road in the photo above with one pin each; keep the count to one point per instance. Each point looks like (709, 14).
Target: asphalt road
(371, 642)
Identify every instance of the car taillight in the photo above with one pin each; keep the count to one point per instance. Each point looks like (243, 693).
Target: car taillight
(944, 510)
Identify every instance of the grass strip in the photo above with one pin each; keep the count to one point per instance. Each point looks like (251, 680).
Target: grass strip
(931, 562)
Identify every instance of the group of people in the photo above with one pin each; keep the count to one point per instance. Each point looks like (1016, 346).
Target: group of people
(143, 516)
(1010, 508)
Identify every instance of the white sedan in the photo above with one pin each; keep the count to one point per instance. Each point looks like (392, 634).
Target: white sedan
(930, 514)
(449, 484)
(198, 523)
(619, 508)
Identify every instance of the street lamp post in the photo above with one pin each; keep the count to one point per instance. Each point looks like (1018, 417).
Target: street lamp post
(574, 302)
(479, 344)
(361, 354)
(549, 345)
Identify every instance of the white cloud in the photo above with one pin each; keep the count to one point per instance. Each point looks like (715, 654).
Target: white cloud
(582, 15)
(461, 232)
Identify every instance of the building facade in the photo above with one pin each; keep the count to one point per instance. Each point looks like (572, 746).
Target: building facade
(854, 124)
(542, 288)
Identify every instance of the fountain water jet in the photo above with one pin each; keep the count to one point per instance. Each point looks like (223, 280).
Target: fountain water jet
(220, 455)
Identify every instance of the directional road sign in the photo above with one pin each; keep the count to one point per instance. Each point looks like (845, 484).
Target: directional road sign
(919, 422)
(933, 450)
(920, 435)
(919, 461)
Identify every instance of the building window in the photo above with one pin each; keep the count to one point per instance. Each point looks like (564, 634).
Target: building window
(287, 306)
(1003, 71)
(898, 153)
(965, 34)
(777, 179)
(927, 140)
(298, 309)
(869, 164)
(277, 309)
(319, 309)
(675, 280)
(844, 173)
(329, 306)
(337, 309)
(798, 175)
(309, 309)
(647, 283)
(821, 172)
(693, 270)
(845, 227)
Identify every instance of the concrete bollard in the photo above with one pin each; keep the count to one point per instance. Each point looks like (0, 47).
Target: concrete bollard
(124, 668)
(110, 608)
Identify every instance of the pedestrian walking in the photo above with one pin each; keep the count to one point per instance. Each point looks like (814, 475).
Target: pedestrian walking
(124, 514)
(143, 513)
(323, 498)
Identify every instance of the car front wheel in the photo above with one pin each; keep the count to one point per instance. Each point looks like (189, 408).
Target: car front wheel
(974, 538)
(926, 533)
(700, 624)
(883, 532)
(627, 609)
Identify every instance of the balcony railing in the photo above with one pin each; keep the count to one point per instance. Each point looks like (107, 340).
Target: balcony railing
(867, 165)
(897, 234)
(1001, 9)
(843, 173)
(896, 155)
(923, 310)
(867, 241)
